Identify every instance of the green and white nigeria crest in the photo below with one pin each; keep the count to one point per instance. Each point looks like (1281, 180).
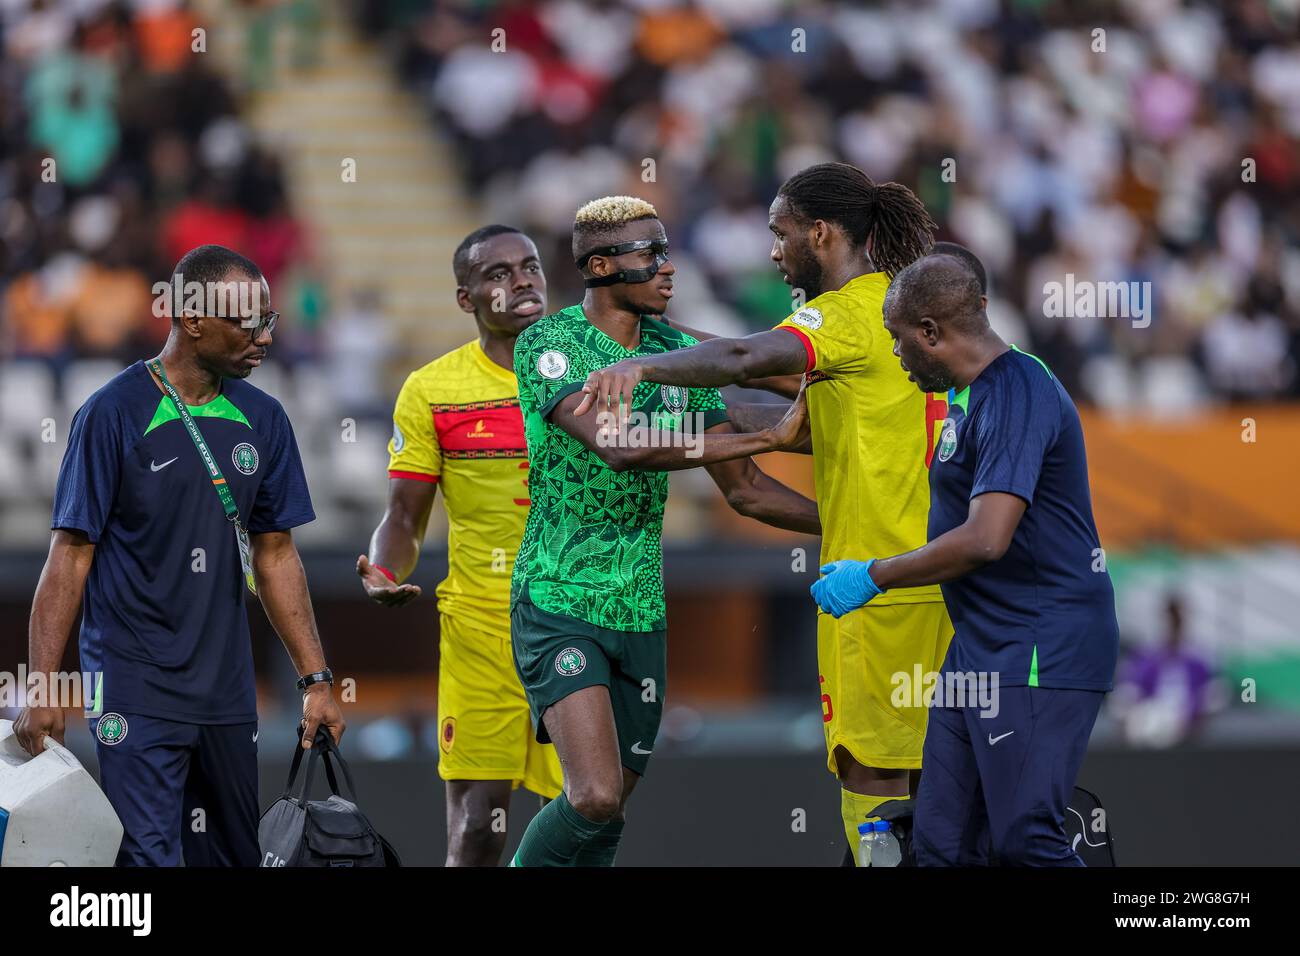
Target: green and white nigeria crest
(947, 439)
(245, 458)
(675, 398)
(111, 729)
(570, 662)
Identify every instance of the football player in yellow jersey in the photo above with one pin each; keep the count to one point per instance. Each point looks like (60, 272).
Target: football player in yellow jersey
(457, 425)
(840, 238)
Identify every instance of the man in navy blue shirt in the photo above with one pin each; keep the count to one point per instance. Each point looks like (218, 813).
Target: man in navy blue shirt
(162, 518)
(1013, 544)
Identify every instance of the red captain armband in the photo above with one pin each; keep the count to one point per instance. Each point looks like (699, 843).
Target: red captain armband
(807, 345)
(414, 476)
(385, 572)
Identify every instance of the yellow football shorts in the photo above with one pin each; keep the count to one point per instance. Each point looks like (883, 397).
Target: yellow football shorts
(868, 662)
(484, 731)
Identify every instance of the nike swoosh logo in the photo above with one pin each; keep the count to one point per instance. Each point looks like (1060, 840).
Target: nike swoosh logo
(255, 733)
(153, 467)
(993, 740)
(636, 749)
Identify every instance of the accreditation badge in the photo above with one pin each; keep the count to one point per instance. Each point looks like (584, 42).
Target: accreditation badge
(245, 556)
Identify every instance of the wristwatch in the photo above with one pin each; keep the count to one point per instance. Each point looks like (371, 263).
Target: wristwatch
(320, 677)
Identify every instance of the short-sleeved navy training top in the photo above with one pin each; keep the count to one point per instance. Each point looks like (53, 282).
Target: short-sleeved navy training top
(164, 619)
(1043, 614)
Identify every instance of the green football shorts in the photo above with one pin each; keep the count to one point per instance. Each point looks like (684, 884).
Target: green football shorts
(556, 655)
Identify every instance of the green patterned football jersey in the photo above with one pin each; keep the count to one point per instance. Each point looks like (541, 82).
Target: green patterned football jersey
(591, 547)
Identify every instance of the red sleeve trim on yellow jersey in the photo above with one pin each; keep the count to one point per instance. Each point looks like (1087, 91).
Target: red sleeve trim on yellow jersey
(807, 345)
(413, 476)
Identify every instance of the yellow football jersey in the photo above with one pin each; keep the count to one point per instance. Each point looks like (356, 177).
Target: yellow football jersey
(457, 423)
(873, 431)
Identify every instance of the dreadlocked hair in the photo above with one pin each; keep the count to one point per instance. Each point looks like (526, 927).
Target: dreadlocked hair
(886, 217)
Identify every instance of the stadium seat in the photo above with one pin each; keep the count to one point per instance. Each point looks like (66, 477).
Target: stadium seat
(83, 378)
(312, 395)
(26, 397)
(14, 483)
(46, 460)
(1109, 378)
(1171, 386)
(20, 521)
(352, 465)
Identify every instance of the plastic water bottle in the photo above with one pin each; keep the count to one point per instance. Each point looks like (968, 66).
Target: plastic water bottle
(866, 832)
(884, 846)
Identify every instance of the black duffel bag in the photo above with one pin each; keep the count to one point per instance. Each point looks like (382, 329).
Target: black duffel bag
(296, 831)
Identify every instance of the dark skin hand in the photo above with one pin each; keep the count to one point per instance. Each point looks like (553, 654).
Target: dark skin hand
(396, 542)
(753, 493)
(642, 452)
(722, 451)
(282, 587)
(983, 537)
(54, 613)
(715, 362)
(755, 417)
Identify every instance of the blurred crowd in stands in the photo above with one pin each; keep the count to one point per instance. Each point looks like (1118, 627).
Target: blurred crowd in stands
(1165, 149)
(121, 149)
(1134, 140)
(1046, 146)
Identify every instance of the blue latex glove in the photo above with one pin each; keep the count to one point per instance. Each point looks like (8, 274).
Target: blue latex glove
(847, 586)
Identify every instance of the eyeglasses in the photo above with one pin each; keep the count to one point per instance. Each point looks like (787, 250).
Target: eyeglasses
(263, 323)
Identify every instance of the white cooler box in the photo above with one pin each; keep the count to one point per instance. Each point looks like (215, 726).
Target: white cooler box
(52, 813)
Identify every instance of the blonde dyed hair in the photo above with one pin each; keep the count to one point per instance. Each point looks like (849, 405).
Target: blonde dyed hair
(600, 221)
(614, 211)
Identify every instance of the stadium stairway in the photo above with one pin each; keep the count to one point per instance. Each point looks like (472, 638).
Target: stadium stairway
(392, 227)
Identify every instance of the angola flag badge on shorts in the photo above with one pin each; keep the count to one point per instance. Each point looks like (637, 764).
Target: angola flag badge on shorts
(447, 734)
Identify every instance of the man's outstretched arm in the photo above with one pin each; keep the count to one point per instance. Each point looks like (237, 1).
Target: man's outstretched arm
(756, 416)
(983, 537)
(395, 545)
(716, 362)
(753, 493)
(787, 386)
(635, 448)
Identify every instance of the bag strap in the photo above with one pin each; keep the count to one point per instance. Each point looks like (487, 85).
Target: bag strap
(296, 765)
(325, 750)
(331, 754)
